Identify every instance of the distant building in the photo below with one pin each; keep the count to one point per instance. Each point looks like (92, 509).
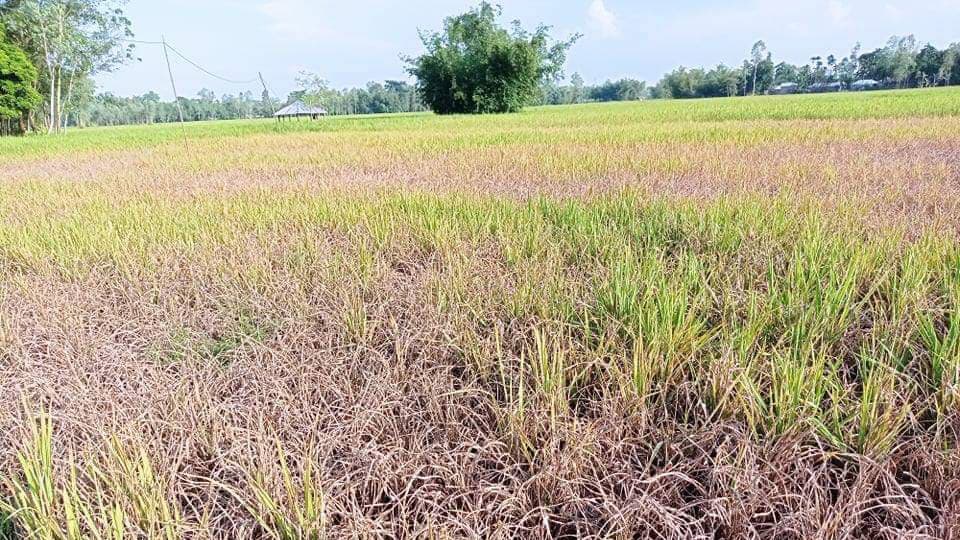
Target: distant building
(299, 109)
(820, 88)
(785, 88)
(865, 84)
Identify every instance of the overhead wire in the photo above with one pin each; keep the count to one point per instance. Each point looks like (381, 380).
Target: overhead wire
(208, 72)
(167, 47)
(191, 62)
(141, 42)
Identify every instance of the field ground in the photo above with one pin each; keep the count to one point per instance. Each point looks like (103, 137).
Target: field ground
(718, 318)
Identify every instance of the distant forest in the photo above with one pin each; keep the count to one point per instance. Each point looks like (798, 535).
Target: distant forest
(50, 56)
(107, 109)
(901, 63)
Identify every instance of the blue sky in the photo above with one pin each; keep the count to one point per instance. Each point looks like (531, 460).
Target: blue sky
(355, 41)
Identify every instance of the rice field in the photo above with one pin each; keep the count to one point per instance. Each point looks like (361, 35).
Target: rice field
(731, 318)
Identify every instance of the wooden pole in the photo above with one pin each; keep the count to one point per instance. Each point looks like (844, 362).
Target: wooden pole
(267, 92)
(173, 85)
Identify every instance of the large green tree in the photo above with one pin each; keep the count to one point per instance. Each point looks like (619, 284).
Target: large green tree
(928, 64)
(476, 66)
(18, 78)
(70, 40)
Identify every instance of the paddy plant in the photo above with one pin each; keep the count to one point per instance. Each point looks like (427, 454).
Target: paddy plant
(728, 318)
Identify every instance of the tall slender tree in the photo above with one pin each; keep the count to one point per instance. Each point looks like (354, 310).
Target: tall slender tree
(757, 54)
(903, 58)
(73, 40)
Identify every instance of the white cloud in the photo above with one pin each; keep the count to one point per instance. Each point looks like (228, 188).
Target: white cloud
(602, 19)
(838, 11)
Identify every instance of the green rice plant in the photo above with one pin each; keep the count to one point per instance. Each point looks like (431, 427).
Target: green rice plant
(154, 513)
(820, 290)
(678, 269)
(903, 297)
(798, 382)
(523, 240)
(931, 312)
(619, 295)
(511, 378)
(549, 367)
(129, 496)
(34, 505)
(813, 300)
(547, 363)
(118, 497)
(744, 357)
(658, 307)
(354, 316)
(882, 410)
(451, 285)
(298, 512)
(363, 264)
(940, 336)
(868, 416)
(642, 372)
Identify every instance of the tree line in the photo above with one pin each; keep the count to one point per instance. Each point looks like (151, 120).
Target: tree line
(901, 63)
(552, 93)
(107, 109)
(50, 51)
(376, 98)
(475, 65)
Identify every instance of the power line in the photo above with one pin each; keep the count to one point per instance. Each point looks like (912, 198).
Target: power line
(191, 62)
(201, 68)
(176, 98)
(167, 48)
(141, 42)
(267, 90)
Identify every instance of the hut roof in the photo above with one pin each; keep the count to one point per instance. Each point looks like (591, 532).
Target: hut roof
(299, 108)
(825, 85)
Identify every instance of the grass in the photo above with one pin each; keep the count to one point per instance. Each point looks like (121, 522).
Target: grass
(675, 319)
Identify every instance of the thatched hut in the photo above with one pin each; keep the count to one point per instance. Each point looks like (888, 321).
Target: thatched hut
(299, 109)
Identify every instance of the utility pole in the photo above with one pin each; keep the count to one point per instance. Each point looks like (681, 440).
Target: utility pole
(273, 109)
(173, 85)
